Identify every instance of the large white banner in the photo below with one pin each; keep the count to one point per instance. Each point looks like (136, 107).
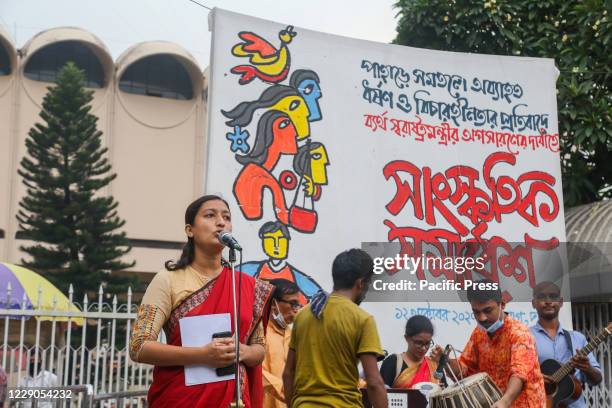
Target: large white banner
(321, 142)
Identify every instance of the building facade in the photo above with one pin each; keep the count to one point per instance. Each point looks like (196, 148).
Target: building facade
(151, 107)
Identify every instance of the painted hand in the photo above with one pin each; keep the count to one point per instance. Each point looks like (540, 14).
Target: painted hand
(310, 188)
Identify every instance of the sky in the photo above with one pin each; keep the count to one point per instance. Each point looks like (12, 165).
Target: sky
(123, 23)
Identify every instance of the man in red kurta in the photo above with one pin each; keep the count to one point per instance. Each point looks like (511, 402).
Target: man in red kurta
(503, 348)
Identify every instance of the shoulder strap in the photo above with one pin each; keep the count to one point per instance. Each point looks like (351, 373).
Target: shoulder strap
(568, 341)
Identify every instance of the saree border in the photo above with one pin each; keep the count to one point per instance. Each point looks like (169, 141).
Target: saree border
(263, 292)
(191, 301)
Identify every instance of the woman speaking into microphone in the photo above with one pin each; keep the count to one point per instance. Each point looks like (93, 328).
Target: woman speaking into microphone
(200, 283)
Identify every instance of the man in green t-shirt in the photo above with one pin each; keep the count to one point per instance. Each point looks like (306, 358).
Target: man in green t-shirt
(330, 336)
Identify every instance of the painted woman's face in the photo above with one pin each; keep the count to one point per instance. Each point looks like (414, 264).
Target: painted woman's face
(318, 165)
(285, 135)
(311, 92)
(295, 107)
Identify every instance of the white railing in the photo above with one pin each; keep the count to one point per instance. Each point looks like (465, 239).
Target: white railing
(590, 319)
(55, 348)
(59, 358)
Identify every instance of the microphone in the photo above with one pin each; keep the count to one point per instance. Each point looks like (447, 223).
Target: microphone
(229, 241)
(439, 373)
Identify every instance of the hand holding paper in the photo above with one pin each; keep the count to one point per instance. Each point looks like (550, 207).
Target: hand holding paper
(197, 331)
(220, 352)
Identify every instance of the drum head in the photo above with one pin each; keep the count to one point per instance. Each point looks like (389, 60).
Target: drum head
(426, 387)
(476, 391)
(474, 379)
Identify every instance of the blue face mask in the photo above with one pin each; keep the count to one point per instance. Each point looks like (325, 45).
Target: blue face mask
(495, 326)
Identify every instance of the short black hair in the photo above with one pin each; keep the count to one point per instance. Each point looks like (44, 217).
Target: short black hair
(418, 324)
(283, 287)
(545, 285)
(351, 265)
(474, 294)
(272, 226)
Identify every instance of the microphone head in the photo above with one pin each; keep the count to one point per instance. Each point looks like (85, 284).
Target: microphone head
(439, 373)
(228, 240)
(224, 235)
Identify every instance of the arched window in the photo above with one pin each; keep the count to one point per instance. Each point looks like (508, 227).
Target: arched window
(45, 64)
(158, 75)
(5, 61)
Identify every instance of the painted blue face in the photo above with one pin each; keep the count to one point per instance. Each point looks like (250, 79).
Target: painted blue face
(310, 91)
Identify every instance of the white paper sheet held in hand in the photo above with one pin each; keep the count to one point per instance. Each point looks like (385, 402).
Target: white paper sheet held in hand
(197, 331)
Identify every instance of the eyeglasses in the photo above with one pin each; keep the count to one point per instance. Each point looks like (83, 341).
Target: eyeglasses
(424, 345)
(294, 305)
(550, 298)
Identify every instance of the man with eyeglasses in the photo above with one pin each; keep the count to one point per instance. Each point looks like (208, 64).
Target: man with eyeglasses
(554, 342)
(285, 305)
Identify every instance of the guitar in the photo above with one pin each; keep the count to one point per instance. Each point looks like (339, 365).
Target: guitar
(564, 387)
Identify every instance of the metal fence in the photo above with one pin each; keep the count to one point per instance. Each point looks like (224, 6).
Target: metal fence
(45, 352)
(590, 319)
(39, 350)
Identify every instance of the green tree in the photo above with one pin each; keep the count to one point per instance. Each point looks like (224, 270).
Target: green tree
(74, 225)
(577, 34)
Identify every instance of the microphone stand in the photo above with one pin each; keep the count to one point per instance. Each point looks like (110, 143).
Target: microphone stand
(440, 376)
(232, 261)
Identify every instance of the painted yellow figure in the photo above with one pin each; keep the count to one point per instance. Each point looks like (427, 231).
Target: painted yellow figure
(275, 239)
(318, 165)
(296, 108)
(281, 98)
(276, 244)
(311, 163)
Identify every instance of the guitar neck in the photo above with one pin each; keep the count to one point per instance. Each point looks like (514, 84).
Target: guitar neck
(566, 368)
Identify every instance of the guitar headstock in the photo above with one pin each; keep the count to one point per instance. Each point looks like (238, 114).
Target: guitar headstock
(609, 328)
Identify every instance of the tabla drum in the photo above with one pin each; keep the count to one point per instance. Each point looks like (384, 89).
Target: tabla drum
(475, 391)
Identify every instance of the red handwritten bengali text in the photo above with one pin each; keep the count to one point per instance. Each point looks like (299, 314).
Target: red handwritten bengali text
(468, 202)
(445, 134)
(500, 257)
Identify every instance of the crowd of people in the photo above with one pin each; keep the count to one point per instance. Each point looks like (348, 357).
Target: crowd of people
(295, 356)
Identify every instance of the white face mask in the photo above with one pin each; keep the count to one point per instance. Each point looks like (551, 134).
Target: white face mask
(278, 317)
(495, 326)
